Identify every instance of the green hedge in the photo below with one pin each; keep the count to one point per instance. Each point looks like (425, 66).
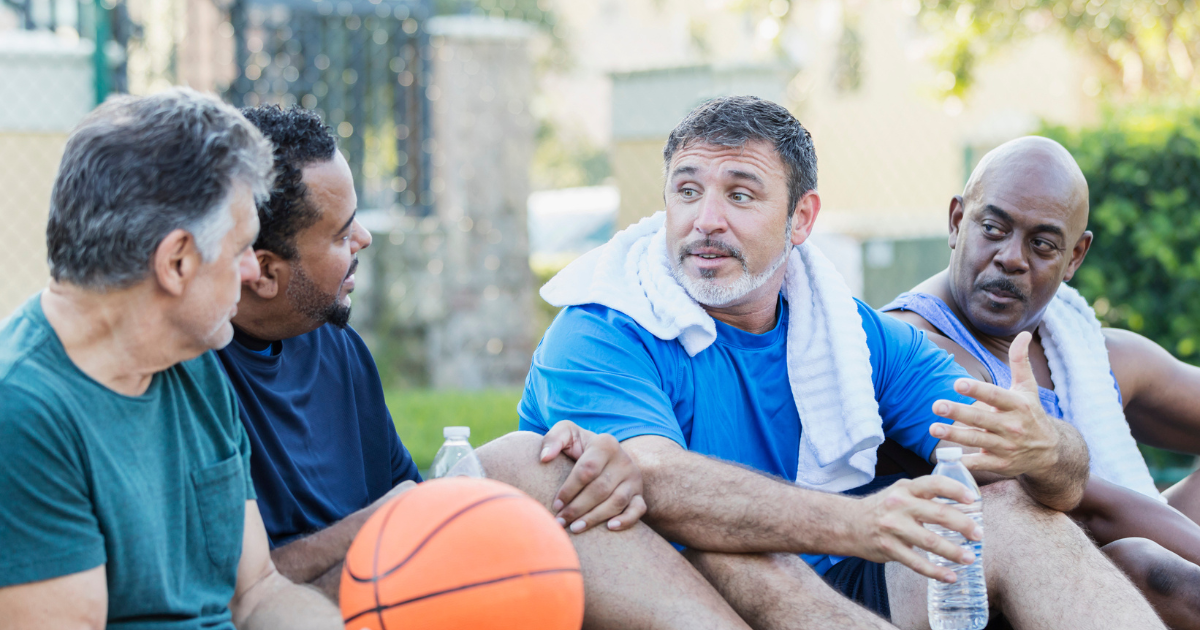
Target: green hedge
(1143, 271)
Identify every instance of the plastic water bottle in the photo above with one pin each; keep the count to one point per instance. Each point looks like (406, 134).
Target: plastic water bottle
(456, 458)
(962, 605)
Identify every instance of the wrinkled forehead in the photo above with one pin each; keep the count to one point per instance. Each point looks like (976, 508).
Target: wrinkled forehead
(754, 159)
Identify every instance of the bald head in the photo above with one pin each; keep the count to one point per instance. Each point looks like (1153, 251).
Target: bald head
(1037, 173)
(1018, 231)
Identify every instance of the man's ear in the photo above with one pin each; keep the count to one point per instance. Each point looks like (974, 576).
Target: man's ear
(1078, 253)
(176, 260)
(274, 273)
(805, 216)
(957, 210)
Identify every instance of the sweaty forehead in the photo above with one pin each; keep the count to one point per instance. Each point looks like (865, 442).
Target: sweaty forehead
(756, 156)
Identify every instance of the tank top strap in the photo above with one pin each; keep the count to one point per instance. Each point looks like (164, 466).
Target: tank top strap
(937, 313)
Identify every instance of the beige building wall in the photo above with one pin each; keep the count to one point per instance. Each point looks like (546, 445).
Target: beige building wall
(47, 87)
(28, 163)
(637, 169)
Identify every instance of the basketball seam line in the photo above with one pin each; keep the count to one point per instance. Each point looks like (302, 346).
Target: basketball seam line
(375, 558)
(428, 537)
(380, 608)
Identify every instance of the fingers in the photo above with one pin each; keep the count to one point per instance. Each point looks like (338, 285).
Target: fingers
(917, 562)
(631, 515)
(933, 486)
(585, 471)
(607, 511)
(1018, 360)
(986, 462)
(996, 397)
(564, 437)
(969, 436)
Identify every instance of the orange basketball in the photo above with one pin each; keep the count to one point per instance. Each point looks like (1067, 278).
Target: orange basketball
(462, 553)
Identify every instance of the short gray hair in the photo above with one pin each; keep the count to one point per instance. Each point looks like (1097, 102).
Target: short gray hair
(731, 121)
(138, 168)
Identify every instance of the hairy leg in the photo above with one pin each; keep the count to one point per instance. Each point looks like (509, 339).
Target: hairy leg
(1185, 496)
(632, 579)
(1042, 572)
(1171, 583)
(780, 592)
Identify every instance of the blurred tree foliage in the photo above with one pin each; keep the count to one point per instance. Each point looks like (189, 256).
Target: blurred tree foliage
(1143, 271)
(1151, 45)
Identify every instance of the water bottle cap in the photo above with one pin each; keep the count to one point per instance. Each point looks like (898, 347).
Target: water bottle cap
(456, 432)
(949, 453)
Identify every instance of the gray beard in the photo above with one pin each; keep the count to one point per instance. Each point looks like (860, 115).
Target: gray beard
(707, 292)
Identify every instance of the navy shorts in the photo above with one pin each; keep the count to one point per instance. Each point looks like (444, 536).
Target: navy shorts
(862, 581)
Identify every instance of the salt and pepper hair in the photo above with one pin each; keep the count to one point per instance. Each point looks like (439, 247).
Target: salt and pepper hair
(732, 121)
(137, 169)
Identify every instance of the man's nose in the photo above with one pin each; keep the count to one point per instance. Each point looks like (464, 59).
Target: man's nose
(360, 237)
(711, 216)
(248, 267)
(1011, 256)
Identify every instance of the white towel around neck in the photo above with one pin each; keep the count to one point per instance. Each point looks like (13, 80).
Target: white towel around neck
(1083, 382)
(828, 362)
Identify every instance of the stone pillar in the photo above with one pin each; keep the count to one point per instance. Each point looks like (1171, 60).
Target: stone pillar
(483, 140)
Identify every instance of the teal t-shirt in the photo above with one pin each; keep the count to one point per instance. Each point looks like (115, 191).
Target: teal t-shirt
(154, 487)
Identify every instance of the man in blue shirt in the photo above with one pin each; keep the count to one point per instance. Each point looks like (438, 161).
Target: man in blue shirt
(326, 453)
(741, 174)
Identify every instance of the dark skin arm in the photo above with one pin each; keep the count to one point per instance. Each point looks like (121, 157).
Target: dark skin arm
(1111, 512)
(1161, 393)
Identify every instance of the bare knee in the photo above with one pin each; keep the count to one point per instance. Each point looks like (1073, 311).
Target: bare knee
(515, 459)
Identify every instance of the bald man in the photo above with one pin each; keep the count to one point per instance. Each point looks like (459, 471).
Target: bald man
(1018, 231)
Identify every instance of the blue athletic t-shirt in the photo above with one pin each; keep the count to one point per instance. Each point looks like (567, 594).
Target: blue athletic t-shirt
(322, 441)
(732, 401)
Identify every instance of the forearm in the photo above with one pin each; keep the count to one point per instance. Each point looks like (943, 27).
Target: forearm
(307, 559)
(711, 505)
(1111, 512)
(276, 602)
(1060, 485)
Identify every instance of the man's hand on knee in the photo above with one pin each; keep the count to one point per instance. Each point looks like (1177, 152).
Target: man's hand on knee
(887, 525)
(605, 483)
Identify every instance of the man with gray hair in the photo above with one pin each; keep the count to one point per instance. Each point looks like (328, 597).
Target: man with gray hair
(125, 492)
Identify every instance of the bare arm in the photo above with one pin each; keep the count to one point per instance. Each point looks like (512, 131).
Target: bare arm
(72, 602)
(264, 599)
(317, 558)
(1015, 437)
(1161, 393)
(1111, 512)
(712, 505)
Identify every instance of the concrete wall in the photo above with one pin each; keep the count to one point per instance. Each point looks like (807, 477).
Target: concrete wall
(451, 295)
(47, 87)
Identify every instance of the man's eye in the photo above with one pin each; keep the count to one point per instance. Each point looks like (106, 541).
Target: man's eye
(688, 192)
(1044, 245)
(740, 197)
(990, 229)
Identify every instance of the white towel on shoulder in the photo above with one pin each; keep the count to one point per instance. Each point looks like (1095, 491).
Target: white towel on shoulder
(828, 362)
(1083, 381)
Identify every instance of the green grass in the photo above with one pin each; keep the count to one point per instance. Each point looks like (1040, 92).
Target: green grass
(420, 414)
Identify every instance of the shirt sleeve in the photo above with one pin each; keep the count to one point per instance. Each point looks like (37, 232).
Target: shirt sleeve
(47, 522)
(910, 373)
(403, 466)
(594, 368)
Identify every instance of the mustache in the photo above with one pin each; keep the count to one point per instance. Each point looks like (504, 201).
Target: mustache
(1005, 285)
(709, 243)
(353, 268)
